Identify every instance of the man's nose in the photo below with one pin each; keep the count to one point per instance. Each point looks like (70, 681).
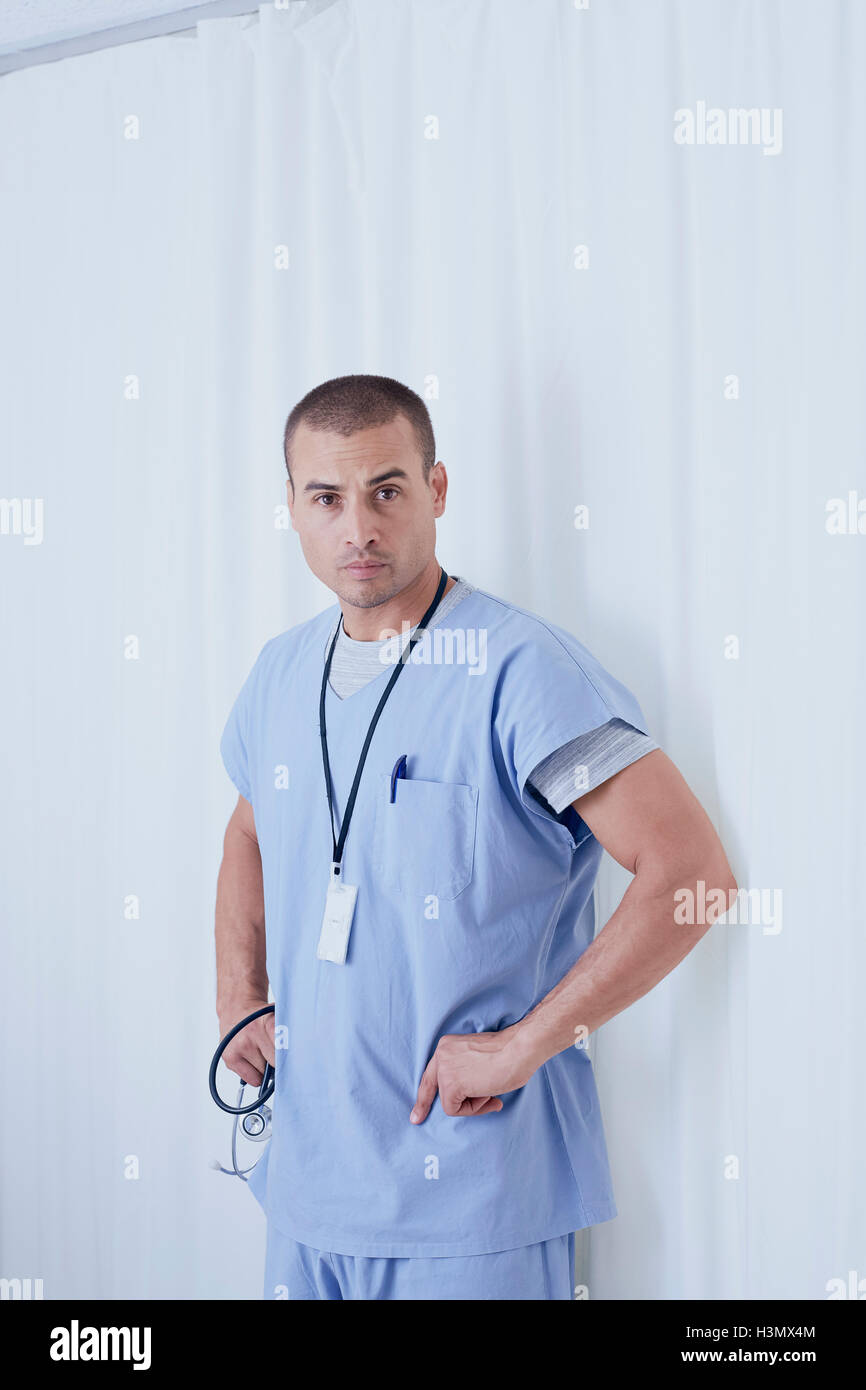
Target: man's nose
(360, 524)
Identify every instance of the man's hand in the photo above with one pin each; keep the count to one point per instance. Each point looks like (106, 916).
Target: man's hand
(248, 1051)
(469, 1070)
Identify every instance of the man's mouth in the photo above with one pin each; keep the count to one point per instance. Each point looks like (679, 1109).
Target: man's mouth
(364, 567)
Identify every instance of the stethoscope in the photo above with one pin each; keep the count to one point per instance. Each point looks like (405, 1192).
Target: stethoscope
(256, 1121)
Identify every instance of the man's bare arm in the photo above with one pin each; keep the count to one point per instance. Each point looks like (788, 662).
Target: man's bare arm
(242, 979)
(647, 817)
(653, 825)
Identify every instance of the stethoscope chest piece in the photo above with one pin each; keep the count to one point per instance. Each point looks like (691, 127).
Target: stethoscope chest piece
(257, 1126)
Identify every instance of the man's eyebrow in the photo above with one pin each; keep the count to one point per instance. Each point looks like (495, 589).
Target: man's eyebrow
(371, 482)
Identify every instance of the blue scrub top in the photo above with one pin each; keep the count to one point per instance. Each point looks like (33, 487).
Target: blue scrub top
(473, 902)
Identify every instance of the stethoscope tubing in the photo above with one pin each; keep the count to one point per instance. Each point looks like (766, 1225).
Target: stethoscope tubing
(268, 1083)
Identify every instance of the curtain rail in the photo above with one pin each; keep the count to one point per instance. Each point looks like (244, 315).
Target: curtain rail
(179, 21)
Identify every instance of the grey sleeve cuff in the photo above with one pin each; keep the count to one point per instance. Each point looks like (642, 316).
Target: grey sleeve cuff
(584, 763)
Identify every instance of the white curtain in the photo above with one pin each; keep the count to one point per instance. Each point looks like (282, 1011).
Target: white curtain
(196, 230)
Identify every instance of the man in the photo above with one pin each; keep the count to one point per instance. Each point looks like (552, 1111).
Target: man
(409, 868)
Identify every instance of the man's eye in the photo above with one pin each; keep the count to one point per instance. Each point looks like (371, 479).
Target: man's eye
(323, 495)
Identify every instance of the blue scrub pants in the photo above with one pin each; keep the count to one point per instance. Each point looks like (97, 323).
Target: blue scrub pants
(295, 1271)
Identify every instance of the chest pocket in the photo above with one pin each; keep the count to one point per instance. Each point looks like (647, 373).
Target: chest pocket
(424, 840)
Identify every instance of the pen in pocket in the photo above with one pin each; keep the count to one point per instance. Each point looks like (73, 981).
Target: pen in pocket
(399, 770)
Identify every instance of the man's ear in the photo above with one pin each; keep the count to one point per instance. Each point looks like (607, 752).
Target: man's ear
(444, 478)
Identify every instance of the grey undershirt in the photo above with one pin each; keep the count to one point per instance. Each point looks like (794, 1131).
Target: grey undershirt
(598, 754)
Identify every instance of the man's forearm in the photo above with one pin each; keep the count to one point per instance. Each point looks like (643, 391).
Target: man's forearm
(639, 945)
(240, 926)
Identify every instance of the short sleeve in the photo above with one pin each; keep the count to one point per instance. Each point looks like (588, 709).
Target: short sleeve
(550, 691)
(235, 742)
(235, 747)
(582, 765)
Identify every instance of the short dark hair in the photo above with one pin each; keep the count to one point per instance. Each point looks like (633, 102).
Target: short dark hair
(349, 403)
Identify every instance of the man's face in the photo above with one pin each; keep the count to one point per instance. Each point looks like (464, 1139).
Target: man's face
(364, 514)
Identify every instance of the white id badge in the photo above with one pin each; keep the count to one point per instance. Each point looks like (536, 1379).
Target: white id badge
(337, 919)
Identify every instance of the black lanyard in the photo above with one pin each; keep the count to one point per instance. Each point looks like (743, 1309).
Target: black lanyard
(404, 655)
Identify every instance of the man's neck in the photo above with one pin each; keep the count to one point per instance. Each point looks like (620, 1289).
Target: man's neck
(409, 606)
